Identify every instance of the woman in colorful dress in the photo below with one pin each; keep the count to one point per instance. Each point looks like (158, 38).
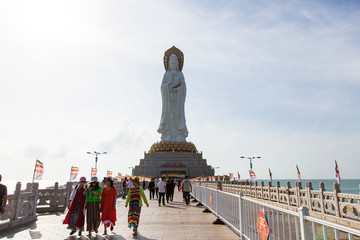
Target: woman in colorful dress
(75, 217)
(108, 205)
(93, 206)
(134, 200)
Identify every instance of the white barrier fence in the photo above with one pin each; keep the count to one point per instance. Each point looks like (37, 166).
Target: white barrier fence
(241, 214)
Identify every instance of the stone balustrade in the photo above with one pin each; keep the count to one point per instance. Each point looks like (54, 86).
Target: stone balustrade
(333, 206)
(53, 199)
(21, 207)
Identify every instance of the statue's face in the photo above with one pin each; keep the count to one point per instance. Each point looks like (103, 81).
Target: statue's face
(173, 62)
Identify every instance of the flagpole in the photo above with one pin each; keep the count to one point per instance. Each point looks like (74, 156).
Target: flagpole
(70, 173)
(34, 172)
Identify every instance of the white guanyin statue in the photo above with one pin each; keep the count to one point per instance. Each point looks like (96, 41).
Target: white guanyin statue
(173, 91)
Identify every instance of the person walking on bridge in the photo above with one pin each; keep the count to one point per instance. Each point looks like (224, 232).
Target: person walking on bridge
(75, 217)
(157, 180)
(93, 206)
(186, 187)
(162, 191)
(152, 188)
(108, 205)
(134, 199)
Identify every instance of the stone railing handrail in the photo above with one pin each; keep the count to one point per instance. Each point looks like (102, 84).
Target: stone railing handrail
(334, 206)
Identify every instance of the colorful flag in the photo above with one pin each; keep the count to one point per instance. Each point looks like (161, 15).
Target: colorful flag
(298, 173)
(238, 176)
(74, 173)
(224, 177)
(218, 178)
(214, 179)
(119, 175)
(109, 173)
(231, 177)
(270, 174)
(337, 173)
(252, 175)
(93, 172)
(38, 171)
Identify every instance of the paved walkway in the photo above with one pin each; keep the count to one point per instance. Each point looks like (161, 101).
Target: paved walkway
(173, 221)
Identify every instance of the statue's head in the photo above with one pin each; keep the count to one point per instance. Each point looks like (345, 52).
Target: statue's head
(173, 63)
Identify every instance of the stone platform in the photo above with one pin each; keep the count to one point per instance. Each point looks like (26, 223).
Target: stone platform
(173, 164)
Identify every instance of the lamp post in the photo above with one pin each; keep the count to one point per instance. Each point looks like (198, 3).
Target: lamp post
(96, 156)
(250, 158)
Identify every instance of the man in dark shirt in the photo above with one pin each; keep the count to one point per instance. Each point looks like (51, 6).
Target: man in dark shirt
(152, 188)
(3, 196)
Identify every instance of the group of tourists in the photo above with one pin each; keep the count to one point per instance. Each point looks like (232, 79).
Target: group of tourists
(162, 188)
(89, 201)
(92, 201)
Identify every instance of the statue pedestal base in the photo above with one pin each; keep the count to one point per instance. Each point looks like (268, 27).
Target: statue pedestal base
(173, 164)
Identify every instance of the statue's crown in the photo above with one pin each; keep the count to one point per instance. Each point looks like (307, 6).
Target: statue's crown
(179, 54)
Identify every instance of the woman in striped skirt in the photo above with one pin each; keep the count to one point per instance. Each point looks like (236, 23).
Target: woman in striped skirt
(134, 200)
(93, 206)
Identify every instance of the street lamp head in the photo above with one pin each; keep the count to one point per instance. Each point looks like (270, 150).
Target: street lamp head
(104, 153)
(242, 157)
(88, 152)
(258, 157)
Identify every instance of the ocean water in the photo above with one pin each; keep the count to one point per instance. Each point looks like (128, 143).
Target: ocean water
(347, 185)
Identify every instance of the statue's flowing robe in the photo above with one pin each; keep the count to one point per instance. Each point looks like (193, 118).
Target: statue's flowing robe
(175, 130)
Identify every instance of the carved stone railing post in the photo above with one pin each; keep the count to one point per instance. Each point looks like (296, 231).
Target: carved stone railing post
(35, 191)
(256, 184)
(277, 191)
(68, 193)
(262, 189)
(54, 196)
(17, 195)
(269, 191)
(298, 196)
(308, 195)
(336, 199)
(288, 186)
(322, 190)
(250, 189)
(29, 187)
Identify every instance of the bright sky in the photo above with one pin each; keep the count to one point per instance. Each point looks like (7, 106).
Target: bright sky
(276, 79)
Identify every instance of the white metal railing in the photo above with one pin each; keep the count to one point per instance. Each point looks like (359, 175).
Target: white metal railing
(241, 214)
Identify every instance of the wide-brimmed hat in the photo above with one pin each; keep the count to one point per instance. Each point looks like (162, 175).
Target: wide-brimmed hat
(94, 179)
(83, 179)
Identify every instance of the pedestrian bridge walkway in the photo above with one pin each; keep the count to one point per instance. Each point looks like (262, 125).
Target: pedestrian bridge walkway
(173, 221)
